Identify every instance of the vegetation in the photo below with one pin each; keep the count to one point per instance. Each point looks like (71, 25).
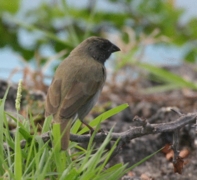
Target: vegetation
(38, 160)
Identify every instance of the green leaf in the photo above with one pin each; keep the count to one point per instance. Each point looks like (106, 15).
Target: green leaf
(104, 116)
(25, 134)
(191, 56)
(168, 76)
(9, 5)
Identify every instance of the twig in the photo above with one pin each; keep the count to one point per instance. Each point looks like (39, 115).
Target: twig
(135, 132)
(175, 145)
(130, 134)
(161, 113)
(176, 111)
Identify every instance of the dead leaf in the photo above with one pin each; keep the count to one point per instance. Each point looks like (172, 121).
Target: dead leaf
(178, 165)
(130, 174)
(170, 155)
(184, 153)
(166, 149)
(145, 177)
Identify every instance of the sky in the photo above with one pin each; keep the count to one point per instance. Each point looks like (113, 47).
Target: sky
(12, 62)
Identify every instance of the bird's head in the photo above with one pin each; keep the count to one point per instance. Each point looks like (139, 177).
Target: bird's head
(98, 48)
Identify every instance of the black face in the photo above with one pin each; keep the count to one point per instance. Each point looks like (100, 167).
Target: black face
(100, 49)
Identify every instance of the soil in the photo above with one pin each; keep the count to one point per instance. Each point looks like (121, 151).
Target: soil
(151, 106)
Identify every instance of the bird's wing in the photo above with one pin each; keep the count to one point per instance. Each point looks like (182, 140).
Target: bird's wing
(80, 91)
(77, 96)
(53, 97)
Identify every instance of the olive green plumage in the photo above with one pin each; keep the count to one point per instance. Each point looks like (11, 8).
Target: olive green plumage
(77, 83)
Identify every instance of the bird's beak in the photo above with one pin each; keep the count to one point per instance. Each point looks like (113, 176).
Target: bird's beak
(114, 48)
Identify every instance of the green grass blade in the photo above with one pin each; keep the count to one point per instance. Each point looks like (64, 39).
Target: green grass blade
(47, 124)
(168, 76)
(17, 157)
(160, 88)
(76, 126)
(2, 117)
(105, 116)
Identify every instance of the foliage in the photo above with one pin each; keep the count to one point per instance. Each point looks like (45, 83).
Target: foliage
(39, 161)
(168, 80)
(62, 26)
(135, 24)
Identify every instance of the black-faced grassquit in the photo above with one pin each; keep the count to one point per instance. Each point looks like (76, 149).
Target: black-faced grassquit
(77, 83)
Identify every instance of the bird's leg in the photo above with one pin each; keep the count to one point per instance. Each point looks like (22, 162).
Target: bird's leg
(91, 128)
(88, 126)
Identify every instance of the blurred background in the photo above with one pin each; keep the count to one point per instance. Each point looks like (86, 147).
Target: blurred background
(36, 35)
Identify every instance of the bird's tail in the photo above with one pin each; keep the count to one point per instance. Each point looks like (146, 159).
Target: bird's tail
(65, 133)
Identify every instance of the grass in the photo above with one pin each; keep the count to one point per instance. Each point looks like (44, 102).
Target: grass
(38, 160)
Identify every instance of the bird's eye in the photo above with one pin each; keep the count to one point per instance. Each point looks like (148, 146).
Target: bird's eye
(104, 46)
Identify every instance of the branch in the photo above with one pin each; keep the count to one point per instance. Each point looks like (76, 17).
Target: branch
(134, 132)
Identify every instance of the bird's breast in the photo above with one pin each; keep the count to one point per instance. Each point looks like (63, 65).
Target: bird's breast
(85, 109)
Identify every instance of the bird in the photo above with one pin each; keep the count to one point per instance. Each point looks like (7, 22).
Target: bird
(77, 84)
